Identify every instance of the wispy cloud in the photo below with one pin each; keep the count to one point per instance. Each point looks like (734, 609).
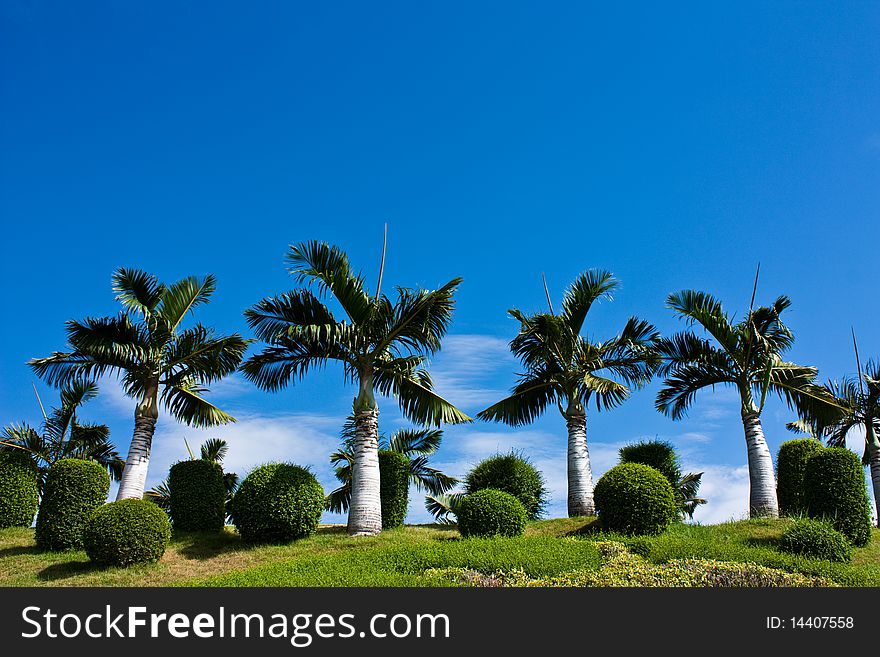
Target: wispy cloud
(466, 370)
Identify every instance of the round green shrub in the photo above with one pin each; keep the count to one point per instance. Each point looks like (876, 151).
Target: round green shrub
(126, 532)
(490, 512)
(514, 474)
(393, 487)
(658, 454)
(791, 462)
(277, 503)
(19, 489)
(74, 488)
(635, 499)
(816, 539)
(197, 496)
(835, 490)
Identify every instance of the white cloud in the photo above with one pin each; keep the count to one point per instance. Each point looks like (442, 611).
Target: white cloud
(462, 369)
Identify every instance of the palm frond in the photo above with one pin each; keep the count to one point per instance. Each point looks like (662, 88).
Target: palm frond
(180, 298)
(704, 309)
(273, 316)
(586, 289)
(444, 507)
(214, 449)
(184, 401)
(415, 394)
(420, 318)
(328, 266)
(137, 290)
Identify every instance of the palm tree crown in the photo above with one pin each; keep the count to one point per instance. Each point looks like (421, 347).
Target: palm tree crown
(381, 344)
(746, 355)
(64, 436)
(564, 367)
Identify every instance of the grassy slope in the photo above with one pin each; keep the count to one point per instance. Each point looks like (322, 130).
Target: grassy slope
(401, 557)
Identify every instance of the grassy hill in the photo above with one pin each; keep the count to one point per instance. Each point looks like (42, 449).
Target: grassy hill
(559, 552)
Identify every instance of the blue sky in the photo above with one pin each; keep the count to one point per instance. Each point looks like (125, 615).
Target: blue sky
(676, 146)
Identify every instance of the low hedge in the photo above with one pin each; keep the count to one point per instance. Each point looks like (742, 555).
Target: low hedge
(491, 512)
(816, 539)
(791, 463)
(394, 470)
(514, 474)
(126, 532)
(19, 489)
(277, 503)
(635, 499)
(197, 493)
(74, 488)
(835, 490)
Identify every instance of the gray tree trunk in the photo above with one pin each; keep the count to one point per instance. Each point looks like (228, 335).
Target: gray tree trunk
(762, 482)
(134, 475)
(365, 511)
(580, 475)
(874, 464)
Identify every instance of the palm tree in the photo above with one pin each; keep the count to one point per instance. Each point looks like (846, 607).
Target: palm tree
(64, 436)
(156, 359)
(417, 445)
(381, 344)
(564, 367)
(745, 355)
(858, 407)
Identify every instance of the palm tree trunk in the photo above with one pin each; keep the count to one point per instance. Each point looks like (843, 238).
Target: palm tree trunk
(762, 482)
(874, 463)
(365, 511)
(580, 476)
(134, 475)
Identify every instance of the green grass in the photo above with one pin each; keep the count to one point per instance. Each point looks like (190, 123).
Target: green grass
(417, 556)
(755, 541)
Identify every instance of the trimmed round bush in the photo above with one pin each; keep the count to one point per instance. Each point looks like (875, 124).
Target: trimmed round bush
(197, 496)
(74, 488)
(835, 490)
(791, 462)
(393, 487)
(635, 499)
(490, 512)
(514, 474)
(658, 454)
(277, 503)
(816, 539)
(126, 532)
(19, 489)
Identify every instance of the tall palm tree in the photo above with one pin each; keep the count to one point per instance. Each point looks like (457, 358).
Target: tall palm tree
(64, 436)
(745, 355)
(417, 445)
(564, 367)
(156, 360)
(858, 407)
(381, 344)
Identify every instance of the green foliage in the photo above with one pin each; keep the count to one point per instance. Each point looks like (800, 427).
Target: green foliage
(19, 489)
(197, 495)
(624, 569)
(791, 463)
(489, 512)
(399, 559)
(394, 472)
(818, 539)
(662, 456)
(514, 474)
(74, 488)
(126, 532)
(632, 498)
(834, 489)
(277, 503)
